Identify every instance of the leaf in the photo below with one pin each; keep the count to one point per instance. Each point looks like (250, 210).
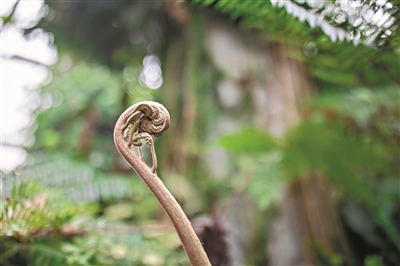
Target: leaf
(46, 255)
(267, 185)
(328, 148)
(335, 76)
(249, 140)
(208, 2)
(373, 261)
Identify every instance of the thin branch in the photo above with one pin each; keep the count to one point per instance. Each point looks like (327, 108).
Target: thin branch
(11, 145)
(17, 57)
(118, 229)
(14, 8)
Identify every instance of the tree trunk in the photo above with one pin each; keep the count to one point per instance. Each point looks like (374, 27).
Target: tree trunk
(308, 229)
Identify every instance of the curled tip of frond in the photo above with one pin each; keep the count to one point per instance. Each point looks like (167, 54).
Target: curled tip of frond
(139, 122)
(155, 118)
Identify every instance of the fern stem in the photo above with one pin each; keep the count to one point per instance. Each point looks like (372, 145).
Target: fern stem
(155, 125)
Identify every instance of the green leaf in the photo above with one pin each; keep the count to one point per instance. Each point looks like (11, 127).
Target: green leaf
(335, 76)
(373, 261)
(267, 185)
(249, 140)
(208, 2)
(342, 157)
(42, 254)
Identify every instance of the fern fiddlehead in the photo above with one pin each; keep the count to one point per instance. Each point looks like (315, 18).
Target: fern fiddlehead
(145, 119)
(138, 122)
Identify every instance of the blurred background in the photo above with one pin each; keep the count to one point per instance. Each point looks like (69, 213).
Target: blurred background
(283, 147)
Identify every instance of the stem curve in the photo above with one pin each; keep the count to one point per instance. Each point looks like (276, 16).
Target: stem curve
(140, 121)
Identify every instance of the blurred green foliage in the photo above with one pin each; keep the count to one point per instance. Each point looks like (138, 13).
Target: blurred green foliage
(41, 226)
(260, 142)
(319, 146)
(268, 182)
(333, 59)
(353, 139)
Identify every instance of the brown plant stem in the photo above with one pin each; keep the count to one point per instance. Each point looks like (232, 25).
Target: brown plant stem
(188, 237)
